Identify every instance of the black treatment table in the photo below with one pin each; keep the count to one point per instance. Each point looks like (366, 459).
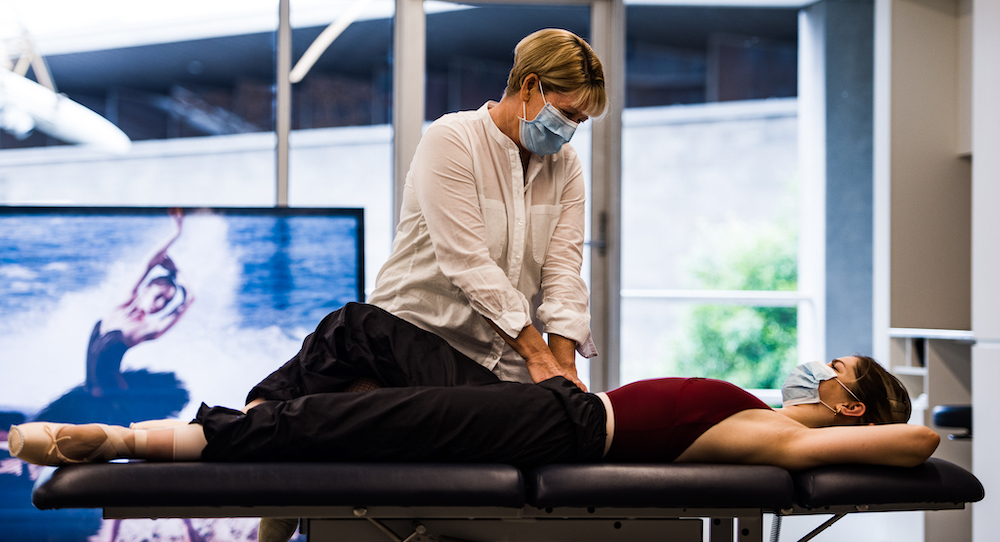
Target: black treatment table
(430, 502)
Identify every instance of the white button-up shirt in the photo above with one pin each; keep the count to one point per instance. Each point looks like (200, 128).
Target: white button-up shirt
(479, 238)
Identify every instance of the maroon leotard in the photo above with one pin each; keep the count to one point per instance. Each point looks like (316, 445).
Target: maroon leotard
(656, 420)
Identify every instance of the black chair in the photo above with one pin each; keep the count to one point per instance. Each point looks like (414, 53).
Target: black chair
(954, 417)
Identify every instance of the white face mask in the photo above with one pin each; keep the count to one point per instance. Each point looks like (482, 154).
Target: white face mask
(802, 385)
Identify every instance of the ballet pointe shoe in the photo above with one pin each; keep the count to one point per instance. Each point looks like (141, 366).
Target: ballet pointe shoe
(38, 443)
(276, 529)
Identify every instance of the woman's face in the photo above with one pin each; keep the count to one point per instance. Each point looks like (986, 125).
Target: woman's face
(830, 391)
(565, 103)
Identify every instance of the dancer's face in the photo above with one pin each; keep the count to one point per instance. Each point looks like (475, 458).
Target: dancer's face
(155, 296)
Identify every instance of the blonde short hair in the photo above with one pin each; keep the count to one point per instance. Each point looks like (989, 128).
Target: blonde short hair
(564, 63)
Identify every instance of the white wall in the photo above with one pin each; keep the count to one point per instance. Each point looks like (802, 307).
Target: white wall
(986, 263)
(930, 180)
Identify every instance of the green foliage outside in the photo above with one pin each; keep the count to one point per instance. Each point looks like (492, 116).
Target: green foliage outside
(753, 347)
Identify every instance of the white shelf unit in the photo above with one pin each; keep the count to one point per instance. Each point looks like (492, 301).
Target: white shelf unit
(936, 367)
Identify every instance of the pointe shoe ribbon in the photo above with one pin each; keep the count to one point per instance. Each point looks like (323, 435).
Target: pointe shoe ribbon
(38, 443)
(158, 424)
(113, 447)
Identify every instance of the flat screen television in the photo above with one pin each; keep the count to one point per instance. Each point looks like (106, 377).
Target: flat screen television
(124, 314)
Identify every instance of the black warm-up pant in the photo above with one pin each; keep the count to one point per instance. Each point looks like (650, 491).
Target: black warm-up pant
(434, 404)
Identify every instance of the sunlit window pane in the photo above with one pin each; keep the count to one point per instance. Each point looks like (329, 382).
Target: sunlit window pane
(710, 197)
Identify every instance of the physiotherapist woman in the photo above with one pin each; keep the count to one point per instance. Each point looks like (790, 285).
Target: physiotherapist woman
(490, 238)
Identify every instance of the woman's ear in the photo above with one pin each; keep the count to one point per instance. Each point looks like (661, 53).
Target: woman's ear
(528, 86)
(853, 409)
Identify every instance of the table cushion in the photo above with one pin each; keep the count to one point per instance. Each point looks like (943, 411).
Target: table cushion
(936, 481)
(676, 485)
(141, 484)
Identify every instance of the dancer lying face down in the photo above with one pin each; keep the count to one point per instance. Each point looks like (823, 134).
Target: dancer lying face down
(434, 404)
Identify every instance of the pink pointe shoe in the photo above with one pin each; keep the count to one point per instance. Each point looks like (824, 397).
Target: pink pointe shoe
(38, 443)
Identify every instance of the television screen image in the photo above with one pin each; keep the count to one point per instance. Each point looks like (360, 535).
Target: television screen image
(117, 315)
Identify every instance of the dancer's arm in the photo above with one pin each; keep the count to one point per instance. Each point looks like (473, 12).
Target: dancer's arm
(160, 256)
(766, 437)
(897, 444)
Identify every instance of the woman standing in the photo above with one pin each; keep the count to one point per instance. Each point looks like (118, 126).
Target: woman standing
(490, 239)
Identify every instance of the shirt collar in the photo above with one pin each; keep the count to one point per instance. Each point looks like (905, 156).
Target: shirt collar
(492, 128)
(500, 137)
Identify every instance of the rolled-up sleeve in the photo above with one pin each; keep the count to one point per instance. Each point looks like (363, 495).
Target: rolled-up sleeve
(565, 307)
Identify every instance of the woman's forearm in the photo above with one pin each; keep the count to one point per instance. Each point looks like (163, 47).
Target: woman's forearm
(539, 358)
(564, 350)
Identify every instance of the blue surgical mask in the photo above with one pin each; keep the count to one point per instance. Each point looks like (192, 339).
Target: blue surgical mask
(548, 132)
(802, 385)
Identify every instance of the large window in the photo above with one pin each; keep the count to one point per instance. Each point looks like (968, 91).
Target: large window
(709, 228)
(710, 195)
